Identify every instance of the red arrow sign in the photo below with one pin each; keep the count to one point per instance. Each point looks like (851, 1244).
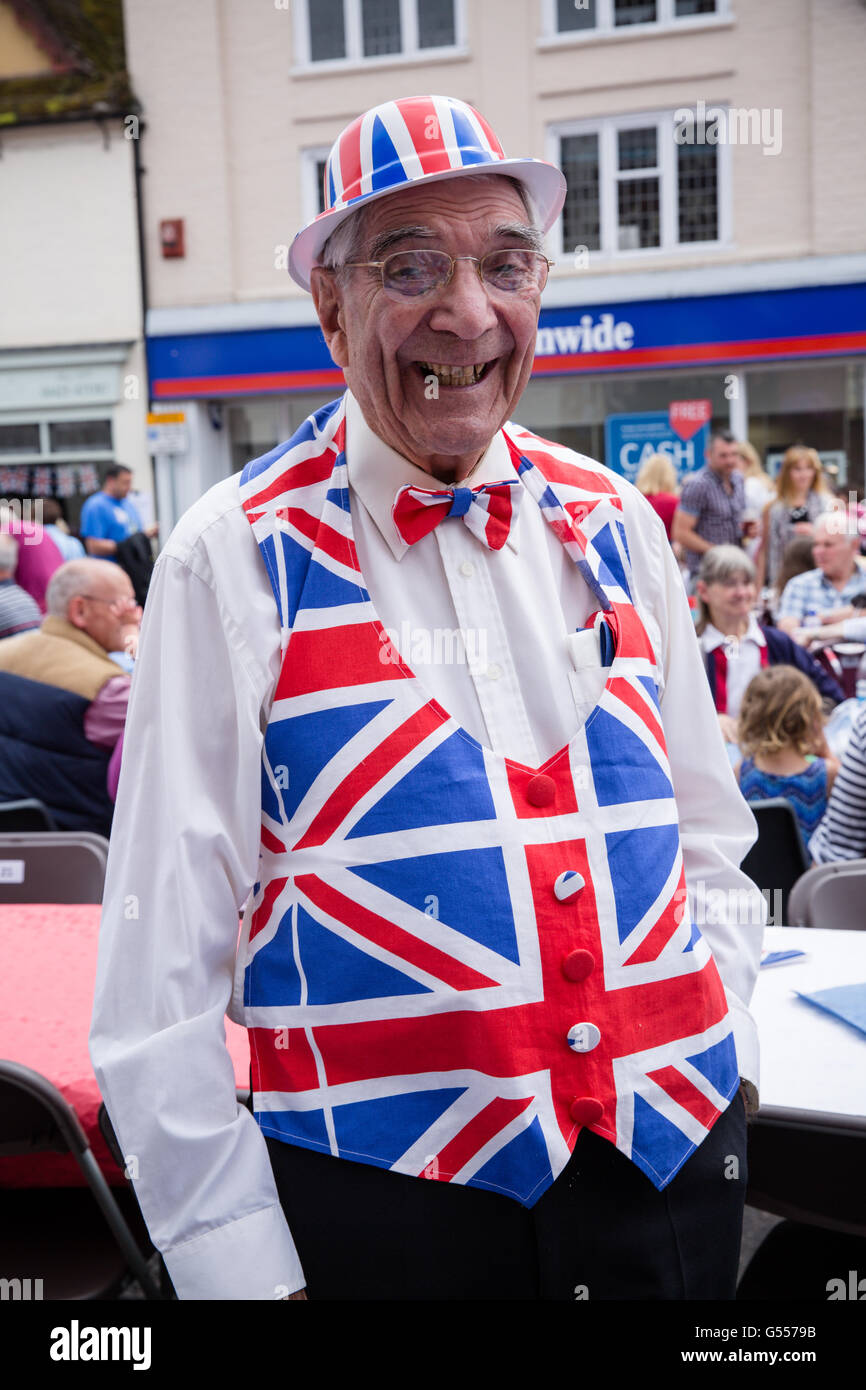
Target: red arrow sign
(687, 417)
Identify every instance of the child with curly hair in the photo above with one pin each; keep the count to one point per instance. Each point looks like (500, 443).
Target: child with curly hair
(785, 752)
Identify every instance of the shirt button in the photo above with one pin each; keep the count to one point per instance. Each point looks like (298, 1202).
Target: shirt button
(568, 883)
(586, 1110)
(467, 568)
(540, 790)
(494, 671)
(578, 965)
(583, 1037)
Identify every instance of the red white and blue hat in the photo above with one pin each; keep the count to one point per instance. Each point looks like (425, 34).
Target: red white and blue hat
(414, 140)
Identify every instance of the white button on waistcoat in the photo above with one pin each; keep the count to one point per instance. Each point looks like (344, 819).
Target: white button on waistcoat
(568, 883)
(583, 1037)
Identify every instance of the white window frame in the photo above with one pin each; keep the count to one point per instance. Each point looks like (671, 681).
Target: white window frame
(310, 180)
(68, 416)
(409, 53)
(606, 29)
(607, 128)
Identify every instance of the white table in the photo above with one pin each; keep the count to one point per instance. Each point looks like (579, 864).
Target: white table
(810, 1060)
(807, 1147)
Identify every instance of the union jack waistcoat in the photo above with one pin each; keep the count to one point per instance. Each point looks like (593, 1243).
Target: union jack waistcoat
(451, 961)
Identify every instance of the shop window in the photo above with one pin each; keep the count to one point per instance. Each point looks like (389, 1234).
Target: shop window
(79, 436)
(633, 187)
(598, 17)
(353, 30)
(19, 439)
(313, 163)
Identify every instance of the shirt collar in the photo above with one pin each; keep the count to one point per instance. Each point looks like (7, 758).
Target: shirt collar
(712, 638)
(376, 472)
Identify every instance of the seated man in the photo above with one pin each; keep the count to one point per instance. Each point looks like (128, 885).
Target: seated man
(821, 594)
(62, 700)
(18, 611)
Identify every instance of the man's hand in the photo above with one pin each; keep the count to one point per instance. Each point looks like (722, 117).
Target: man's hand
(152, 531)
(302, 1293)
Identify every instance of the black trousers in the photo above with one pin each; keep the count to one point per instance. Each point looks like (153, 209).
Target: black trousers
(601, 1231)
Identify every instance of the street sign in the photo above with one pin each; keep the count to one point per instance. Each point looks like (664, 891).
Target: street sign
(629, 440)
(167, 433)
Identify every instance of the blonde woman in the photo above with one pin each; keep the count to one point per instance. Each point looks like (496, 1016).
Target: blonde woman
(802, 495)
(759, 487)
(657, 480)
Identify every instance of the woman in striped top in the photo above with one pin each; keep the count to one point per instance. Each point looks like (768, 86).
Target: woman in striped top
(842, 832)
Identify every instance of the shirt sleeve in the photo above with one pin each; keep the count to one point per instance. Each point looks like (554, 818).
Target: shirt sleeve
(791, 601)
(94, 520)
(688, 500)
(842, 832)
(182, 862)
(717, 827)
(106, 715)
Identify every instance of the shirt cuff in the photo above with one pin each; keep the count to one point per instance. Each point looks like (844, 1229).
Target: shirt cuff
(253, 1258)
(745, 1039)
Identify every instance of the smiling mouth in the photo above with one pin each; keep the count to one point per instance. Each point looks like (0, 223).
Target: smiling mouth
(448, 374)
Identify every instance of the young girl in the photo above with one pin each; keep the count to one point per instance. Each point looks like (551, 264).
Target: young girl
(785, 753)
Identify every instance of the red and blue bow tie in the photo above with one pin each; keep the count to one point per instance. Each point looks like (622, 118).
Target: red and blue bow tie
(489, 510)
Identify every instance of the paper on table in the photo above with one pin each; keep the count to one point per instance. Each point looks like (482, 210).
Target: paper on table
(780, 957)
(847, 1002)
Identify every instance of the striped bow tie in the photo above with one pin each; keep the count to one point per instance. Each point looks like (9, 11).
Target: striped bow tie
(488, 510)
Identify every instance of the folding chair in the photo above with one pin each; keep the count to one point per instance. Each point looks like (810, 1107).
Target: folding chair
(778, 857)
(830, 895)
(24, 817)
(50, 1235)
(58, 866)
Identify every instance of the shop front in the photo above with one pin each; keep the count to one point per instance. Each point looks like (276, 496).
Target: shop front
(778, 366)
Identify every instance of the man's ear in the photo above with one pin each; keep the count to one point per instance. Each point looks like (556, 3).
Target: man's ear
(329, 306)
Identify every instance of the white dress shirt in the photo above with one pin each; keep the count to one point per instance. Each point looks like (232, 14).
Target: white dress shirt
(185, 842)
(743, 659)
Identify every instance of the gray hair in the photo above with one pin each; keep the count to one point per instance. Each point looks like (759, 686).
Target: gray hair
(346, 243)
(722, 562)
(8, 552)
(69, 581)
(719, 563)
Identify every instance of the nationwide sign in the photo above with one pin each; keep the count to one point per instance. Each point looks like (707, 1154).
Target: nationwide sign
(695, 332)
(605, 334)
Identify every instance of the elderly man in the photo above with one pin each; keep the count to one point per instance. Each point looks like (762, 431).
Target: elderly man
(63, 701)
(492, 1054)
(825, 594)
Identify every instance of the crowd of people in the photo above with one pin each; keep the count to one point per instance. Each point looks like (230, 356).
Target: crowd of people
(777, 576)
(774, 568)
(70, 611)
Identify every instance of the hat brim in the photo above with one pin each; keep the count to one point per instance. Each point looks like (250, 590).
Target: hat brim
(544, 182)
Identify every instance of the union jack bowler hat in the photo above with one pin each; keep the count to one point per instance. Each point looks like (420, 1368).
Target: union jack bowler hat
(414, 140)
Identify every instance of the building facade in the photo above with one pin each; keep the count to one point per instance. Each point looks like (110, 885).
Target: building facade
(73, 386)
(711, 248)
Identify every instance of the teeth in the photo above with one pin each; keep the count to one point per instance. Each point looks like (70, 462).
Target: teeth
(450, 375)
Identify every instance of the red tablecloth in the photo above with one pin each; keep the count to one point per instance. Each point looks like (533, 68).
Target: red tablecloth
(47, 973)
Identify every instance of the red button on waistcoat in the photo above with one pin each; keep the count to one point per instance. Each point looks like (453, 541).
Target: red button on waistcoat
(578, 965)
(540, 790)
(586, 1111)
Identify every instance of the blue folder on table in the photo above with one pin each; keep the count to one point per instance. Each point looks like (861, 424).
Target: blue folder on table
(847, 1002)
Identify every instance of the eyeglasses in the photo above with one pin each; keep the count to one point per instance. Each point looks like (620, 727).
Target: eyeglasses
(413, 274)
(126, 600)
